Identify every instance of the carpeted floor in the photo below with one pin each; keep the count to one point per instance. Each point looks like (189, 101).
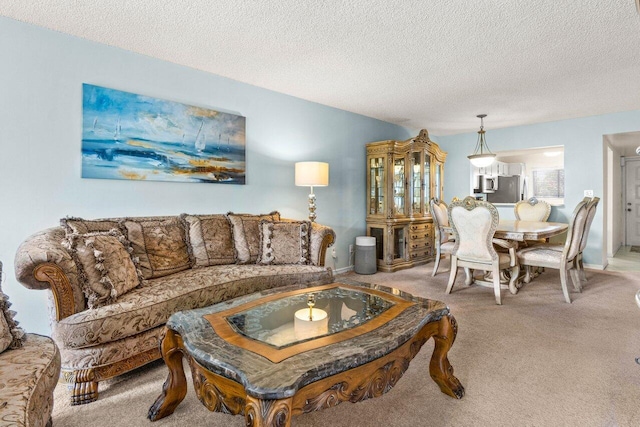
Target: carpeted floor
(534, 361)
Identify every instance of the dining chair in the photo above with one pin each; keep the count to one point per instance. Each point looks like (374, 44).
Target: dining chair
(474, 224)
(443, 241)
(591, 212)
(532, 210)
(548, 256)
(592, 204)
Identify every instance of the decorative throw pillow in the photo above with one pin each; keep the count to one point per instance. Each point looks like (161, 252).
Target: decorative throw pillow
(246, 234)
(210, 240)
(11, 336)
(74, 225)
(107, 270)
(159, 244)
(284, 242)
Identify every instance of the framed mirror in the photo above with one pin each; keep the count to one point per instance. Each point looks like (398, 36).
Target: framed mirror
(521, 174)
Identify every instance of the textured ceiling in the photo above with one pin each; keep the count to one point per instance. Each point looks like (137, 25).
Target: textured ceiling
(434, 64)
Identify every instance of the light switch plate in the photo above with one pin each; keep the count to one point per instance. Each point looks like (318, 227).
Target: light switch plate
(588, 193)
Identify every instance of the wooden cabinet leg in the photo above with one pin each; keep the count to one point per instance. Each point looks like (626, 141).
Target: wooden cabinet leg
(267, 413)
(440, 369)
(174, 388)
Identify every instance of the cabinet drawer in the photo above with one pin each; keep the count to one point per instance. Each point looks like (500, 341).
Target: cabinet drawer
(418, 227)
(419, 254)
(419, 245)
(419, 235)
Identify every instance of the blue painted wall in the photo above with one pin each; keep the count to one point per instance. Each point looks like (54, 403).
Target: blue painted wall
(41, 129)
(583, 144)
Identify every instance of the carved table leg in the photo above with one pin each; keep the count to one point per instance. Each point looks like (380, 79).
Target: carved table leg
(440, 369)
(267, 413)
(83, 387)
(174, 388)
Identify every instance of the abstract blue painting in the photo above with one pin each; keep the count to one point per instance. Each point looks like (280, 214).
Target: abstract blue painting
(129, 136)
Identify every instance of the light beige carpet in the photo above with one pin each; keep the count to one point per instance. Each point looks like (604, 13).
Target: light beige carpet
(534, 361)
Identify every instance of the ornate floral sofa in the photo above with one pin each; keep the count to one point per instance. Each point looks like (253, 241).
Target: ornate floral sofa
(29, 370)
(114, 282)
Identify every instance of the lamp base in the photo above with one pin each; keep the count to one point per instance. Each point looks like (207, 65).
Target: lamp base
(312, 206)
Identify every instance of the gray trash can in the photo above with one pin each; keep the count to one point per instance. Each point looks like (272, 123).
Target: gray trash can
(365, 262)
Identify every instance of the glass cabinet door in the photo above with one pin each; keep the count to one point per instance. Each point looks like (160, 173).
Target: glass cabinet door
(441, 182)
(399, 240)
(416, 182)
(376, 185)
(398, 185)
(378, 233)
(438, 183)
(427, 181)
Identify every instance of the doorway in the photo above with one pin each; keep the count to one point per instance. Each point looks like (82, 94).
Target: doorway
(631, 202)
(622, 166)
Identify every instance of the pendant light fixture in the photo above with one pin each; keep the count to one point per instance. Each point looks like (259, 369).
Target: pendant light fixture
(482, 156)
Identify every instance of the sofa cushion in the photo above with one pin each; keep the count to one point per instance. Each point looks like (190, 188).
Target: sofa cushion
(284, 242)
(210, 240)
(28, 376)
(246, 234)
(106, 268)
(151, 304)
(11, 336)
(159, 244)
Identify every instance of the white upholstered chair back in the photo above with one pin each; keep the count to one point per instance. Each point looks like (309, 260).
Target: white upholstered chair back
(591, 212)
(575, 231)
(474, 223)
(440, 218)
(532, 210)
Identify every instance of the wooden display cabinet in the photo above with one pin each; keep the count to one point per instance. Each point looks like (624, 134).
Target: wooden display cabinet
(402, 176)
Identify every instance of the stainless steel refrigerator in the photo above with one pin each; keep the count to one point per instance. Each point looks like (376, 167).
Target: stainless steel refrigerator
(508, 190)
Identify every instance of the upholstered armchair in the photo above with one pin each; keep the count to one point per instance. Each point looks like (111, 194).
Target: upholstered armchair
(29, 370)
(532, 210)
(474, 224)
(549, 256)
(444, 244)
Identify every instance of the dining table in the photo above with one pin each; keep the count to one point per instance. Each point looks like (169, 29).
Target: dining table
(513, 229)
(520, 231)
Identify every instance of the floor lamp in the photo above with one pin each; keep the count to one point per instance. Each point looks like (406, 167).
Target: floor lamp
(312, 174)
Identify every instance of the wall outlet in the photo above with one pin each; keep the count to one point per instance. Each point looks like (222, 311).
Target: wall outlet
(333, 253)
(350, 249)
(588, 193)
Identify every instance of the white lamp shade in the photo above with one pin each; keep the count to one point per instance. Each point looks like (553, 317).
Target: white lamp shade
(305, 327)
(312, 174)
(481, 160)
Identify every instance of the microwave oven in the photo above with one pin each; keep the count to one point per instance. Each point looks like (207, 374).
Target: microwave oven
(489, 184)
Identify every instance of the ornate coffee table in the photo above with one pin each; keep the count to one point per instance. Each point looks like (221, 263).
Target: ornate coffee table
(264, 356)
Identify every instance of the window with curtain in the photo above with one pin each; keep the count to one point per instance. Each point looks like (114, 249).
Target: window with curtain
(548, 183)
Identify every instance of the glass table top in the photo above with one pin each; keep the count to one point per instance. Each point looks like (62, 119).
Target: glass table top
(305, 316)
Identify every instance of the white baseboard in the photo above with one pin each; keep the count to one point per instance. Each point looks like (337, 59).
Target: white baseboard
(595, 266)
(343, 270)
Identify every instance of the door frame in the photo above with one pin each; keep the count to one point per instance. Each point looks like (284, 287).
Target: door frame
(624, 162)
